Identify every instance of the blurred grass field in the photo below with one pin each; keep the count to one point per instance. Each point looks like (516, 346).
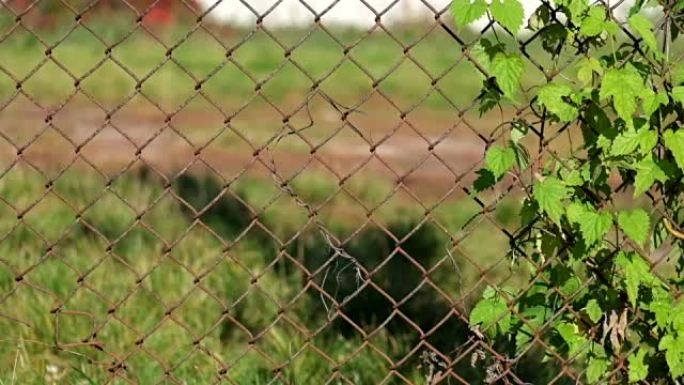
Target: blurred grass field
(135, 254)
(255, 58)
(121, 275)
(200, 57)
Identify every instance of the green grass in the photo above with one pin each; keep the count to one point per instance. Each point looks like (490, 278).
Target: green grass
(139, 58)
(111, 282)
(87, 260)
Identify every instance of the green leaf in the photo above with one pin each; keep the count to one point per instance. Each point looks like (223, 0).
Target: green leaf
(625, 143)
(485, 180)
(648, 172)
(575, 211)
(596, 369)
(576, 7)
(636, 7)
(528, 212)
(573, 178)
(491, 311)
(518, 131)
(661, 306)
(652, 101)
(677, 317)
(551, 96)
(534, 319)
(643, 26)
(628, 141)
(467, 11)
(594, 225)
(678, 94)
(508, 70)
(674, 353)
(636, 225)
(573, 175)
(550, 194)
(481, 55)
(508, 13)
(589, 66)
(593, 310)
(638, 368)
(499, 160)
(674, 141)
(624, 86)
(678, 74)
(522, 157)
(594, 22)
(637, 272)
(647, 139)
(570, 334)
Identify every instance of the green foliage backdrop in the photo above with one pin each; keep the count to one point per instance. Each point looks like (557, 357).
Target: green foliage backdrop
(593, 217)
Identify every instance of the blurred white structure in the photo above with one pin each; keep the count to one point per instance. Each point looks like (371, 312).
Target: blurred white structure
(348, 13)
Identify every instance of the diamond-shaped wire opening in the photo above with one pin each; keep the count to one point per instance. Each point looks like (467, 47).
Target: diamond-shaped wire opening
(50, 217)
(315, 185)
(406, 84)
(70, 54)
(158, 345)
(107, 26)
(169, 270)
(148, 367)
(364, 364)
(285, 215)
(135, 239)
(47, 21)
(230, 85)
(202, 312)
(357, 84)
(34, 301)
(138, 53)
(199, 121)
(110, 223)
(251, 366)
(378, 55)
(22, 186)
(168, 86)
(79, 118)
(102, 265)
(422, 172)
(21, 120)
(187, 368)
(20, 53)
(263, 60)
(318, 55)
(164, 142)
(50, 152)
(258, 122)
(200, 54)
(49, 84)
(109, 84)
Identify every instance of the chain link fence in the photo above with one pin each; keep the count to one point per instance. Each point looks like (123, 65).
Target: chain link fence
(192, 203)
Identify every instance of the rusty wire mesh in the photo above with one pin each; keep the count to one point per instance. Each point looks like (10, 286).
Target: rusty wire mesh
(294, 224)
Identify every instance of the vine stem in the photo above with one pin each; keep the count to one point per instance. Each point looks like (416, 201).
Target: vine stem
(666, 37)
(675, 233)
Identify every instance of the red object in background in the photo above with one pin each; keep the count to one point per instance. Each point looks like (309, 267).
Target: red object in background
(161, 13)
(21, 5)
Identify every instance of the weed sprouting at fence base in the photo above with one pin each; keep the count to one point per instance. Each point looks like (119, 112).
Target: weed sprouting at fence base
(196, 203)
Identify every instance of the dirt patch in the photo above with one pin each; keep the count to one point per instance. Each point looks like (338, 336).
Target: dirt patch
(427, 152)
